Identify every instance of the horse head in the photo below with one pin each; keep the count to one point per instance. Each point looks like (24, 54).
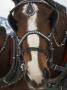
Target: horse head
(40, 28)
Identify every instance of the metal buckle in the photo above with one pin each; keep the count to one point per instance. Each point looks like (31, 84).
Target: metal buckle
(22, 66)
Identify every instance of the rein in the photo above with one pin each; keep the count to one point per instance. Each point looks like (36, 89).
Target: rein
(4, 45)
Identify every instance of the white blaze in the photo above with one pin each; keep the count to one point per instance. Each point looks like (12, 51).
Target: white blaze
(33, 41)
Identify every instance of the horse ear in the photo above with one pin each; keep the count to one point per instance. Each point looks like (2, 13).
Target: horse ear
(16, 1)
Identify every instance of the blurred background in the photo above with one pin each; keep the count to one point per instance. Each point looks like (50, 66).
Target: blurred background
(7, 5)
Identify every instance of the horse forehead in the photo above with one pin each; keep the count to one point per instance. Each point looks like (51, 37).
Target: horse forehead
(24, 8)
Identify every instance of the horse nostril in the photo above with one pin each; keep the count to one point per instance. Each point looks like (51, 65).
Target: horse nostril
(46, 73)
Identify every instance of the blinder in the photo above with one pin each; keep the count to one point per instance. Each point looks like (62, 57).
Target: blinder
(54, 19)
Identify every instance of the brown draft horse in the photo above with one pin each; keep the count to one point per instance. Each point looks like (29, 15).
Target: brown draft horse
(41, 30)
